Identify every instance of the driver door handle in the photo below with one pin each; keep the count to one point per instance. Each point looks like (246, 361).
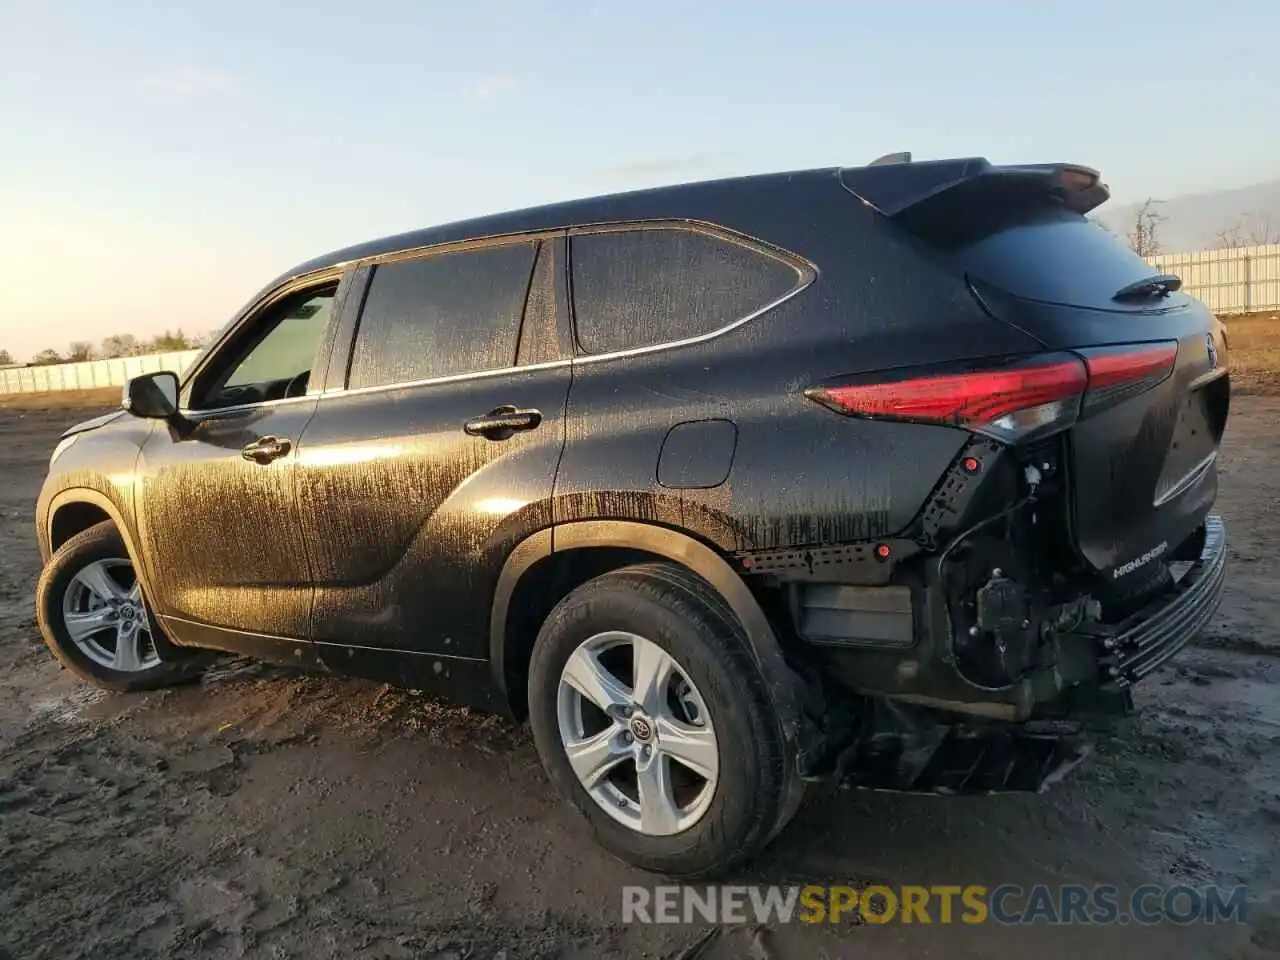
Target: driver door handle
(266, 449)
(501, 422)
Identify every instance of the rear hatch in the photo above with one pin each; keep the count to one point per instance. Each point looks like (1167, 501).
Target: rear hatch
(1143, 449)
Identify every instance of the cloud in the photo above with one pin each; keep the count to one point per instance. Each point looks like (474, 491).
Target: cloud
(664, 167)
(191, 80)
(486, 88)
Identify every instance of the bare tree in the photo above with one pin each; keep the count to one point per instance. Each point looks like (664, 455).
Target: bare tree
(1230, 237)
(1252, 229)
(79, 350)
(6, 358)
(120, 345)
(45, 358)
(1260, 230)
(1144, 235)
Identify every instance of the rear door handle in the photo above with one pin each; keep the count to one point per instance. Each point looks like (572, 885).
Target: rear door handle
(266, 449)
(501, 422)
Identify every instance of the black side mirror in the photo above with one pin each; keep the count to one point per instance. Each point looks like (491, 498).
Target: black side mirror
(152, 395)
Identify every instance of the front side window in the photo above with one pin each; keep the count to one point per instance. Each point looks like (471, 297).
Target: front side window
(289, 348)
(442, 315)
(642, 287)
(272, 358)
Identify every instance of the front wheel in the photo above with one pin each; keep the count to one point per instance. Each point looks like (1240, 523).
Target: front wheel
(651, 716)
(94, 619)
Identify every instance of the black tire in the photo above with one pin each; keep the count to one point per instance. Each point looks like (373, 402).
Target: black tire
(757, 787)
(100, 542)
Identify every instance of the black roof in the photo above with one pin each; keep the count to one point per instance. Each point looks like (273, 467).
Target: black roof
(722, 201)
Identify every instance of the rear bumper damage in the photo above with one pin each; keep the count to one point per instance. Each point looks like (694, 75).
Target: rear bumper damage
(1146, 640)
(919, 743)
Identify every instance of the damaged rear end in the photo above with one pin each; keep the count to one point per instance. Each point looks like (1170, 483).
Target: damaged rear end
(1070, 548)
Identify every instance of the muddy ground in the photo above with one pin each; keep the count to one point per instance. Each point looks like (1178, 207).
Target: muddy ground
(264, 813)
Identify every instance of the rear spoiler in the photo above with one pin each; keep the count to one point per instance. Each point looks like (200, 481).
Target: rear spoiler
(894, 184)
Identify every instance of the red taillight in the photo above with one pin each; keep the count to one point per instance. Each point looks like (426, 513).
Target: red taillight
(1010, 402)
(1118, 373)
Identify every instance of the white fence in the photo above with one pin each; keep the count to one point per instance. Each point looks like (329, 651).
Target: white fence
(1240, 280)
(90, 373)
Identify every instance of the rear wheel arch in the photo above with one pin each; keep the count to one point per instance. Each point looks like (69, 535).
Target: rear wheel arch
(603, 545)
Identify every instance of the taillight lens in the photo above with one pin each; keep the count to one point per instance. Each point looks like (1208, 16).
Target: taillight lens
(1016, 400)
(1118, 373)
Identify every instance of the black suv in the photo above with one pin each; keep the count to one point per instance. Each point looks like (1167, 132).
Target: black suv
(897, 474)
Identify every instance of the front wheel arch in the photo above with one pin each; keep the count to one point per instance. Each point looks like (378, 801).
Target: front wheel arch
(86, 498)
(104, 542)
(89, 500)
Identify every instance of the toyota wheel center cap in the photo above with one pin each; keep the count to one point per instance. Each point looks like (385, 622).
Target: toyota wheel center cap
(641, 729)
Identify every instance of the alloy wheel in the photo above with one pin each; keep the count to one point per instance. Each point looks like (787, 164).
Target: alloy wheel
(106, 618)
(637, 733)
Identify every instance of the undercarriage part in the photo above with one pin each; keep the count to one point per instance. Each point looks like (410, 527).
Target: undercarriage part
(848, 616)
(1094, 708)
(1001, 645)
(899, 747)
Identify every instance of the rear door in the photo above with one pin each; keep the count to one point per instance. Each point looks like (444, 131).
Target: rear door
(435, 455)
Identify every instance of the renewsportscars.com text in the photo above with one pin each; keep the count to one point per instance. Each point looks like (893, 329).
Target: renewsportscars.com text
(1007, 904)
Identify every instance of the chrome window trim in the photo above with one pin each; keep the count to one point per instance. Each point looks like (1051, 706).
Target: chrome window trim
(806, 273)
(210, 412)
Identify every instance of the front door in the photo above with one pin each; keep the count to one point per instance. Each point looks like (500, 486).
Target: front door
(417, 480)
(217, 508)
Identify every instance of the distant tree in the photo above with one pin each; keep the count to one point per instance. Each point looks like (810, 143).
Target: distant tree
(6, 358)
(170, 340)
(79, 350)
(120, 345)
(1144, 235)
(46, 357)
(1260, 230)
(1250, 230)
(1229, 238)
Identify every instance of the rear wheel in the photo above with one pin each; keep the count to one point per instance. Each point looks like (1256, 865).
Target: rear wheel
(651, 716)
(94, 618)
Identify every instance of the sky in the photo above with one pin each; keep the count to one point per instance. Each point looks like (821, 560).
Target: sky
(161, 161)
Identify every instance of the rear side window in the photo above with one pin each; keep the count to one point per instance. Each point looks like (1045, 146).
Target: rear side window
(638, 288)
(442, 315)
